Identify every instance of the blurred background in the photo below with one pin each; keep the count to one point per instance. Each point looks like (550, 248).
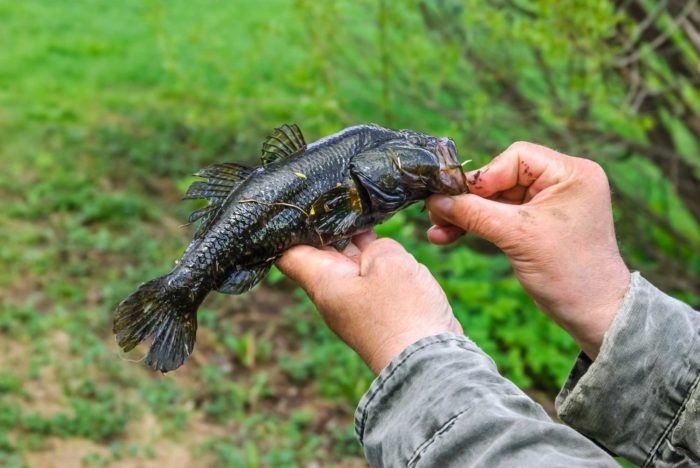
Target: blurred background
(106, 108)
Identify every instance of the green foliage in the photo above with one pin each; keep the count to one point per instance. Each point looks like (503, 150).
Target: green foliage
(286, 444)
(96, 414)
(323, 359)
(224, 399)
(168, 402)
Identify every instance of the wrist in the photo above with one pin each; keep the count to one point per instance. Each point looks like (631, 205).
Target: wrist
(385, 351)
(589, 317)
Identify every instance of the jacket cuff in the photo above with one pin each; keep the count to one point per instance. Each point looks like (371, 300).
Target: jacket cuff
(631, 398)
(385, 406)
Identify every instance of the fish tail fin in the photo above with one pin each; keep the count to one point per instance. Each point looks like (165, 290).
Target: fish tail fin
(165, 312)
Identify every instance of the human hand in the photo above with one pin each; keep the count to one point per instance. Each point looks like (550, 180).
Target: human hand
(375, 296)
(551, 214)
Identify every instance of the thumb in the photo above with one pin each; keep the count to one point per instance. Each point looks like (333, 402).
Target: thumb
(486, 218)
(309, 266)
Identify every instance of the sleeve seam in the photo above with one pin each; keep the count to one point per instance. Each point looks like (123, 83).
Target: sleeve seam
(422, 448)
(653, 453)
(363, 420)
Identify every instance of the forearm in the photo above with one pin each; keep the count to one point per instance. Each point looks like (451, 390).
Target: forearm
(442, 402)
(640, 398)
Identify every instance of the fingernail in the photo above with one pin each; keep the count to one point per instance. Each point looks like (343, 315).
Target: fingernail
(443, 204)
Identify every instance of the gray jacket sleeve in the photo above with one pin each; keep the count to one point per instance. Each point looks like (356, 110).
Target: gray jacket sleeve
(641, 398)
(442, 402)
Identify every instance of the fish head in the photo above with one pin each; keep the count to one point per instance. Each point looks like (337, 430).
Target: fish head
(431, 163)
(409, 167)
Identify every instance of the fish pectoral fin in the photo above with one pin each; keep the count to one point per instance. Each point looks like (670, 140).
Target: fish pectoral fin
(336, 211)
(283, 142)
(222, 179)
(243, 280)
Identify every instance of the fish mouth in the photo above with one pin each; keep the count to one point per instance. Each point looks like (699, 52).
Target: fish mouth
(452, 176)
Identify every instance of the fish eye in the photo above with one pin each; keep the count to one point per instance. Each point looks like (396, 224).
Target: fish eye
(414, 138)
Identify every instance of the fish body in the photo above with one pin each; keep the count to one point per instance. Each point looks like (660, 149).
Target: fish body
(320, 194)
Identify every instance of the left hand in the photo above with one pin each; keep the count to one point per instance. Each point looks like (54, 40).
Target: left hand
(375, 296)
(551, 214)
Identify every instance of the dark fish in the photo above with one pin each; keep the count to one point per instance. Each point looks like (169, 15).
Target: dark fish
(318, 194)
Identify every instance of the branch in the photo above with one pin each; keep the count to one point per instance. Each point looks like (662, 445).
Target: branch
(661, 38)
(648, 21)
(692, 34)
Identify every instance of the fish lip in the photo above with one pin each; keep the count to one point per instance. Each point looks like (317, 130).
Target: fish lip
(451, 174)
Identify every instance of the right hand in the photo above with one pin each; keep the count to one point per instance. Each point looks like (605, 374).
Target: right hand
(375, 296)
(551, 215)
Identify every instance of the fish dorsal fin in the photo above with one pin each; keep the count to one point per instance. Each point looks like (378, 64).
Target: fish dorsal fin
(222, 179)
(284, 142)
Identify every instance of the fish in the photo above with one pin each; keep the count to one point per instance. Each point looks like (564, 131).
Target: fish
(318, 194)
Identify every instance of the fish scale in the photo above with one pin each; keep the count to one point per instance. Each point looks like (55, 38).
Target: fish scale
(318, 194)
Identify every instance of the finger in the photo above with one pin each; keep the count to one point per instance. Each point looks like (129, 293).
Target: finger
(486, 218)
(444, 234)
(437, 220)
(522, 164)
(516, 195)
(351, 250)
(308, 265)
(363, 239)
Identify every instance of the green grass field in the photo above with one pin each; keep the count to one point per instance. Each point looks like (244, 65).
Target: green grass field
(106, 108)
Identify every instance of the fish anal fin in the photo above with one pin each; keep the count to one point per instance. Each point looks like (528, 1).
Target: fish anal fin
(335, 212)
(243, 280)
(284, 142)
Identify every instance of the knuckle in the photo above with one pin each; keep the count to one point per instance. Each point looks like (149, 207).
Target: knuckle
(387, 261)
(386, 242)
(390, 264)
(598, 171)
(519, 146)
(594, 173)
(380, 246)
(591, 166)
(422, 271)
